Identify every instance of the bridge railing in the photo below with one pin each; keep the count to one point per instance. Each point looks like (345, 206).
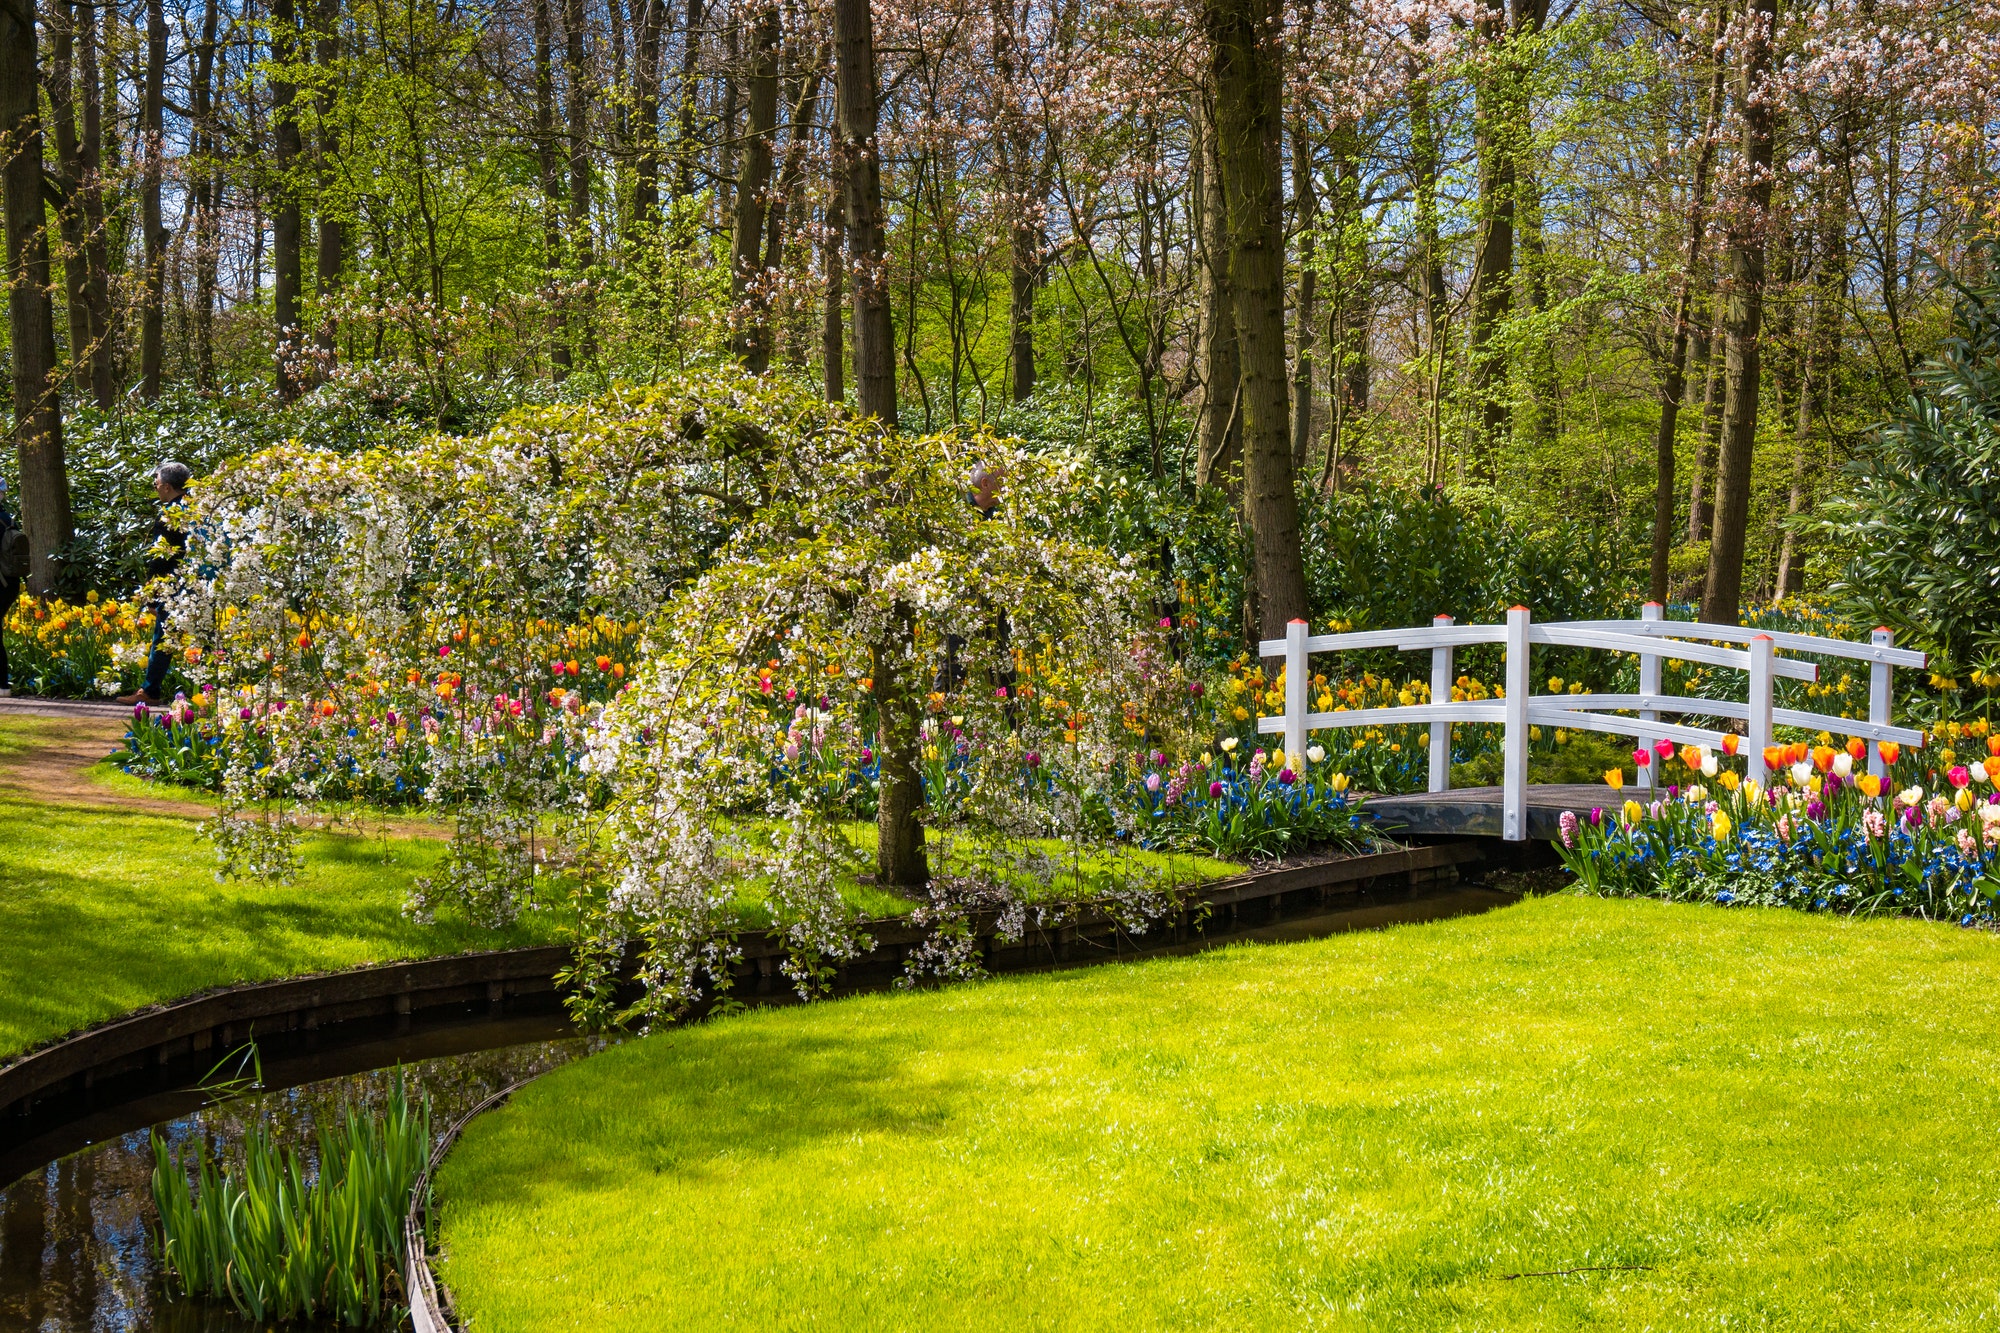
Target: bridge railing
(1653, 639)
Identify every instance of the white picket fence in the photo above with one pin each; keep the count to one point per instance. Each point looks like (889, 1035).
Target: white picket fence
(1651, 638)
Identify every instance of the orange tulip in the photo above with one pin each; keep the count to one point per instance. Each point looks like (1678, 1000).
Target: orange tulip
(1822, 757)
(1889, 750)
(1857, 749)
(1731, 743)
(1871, 786)
(1774, 757)
(1993, 746)
(1799, 750)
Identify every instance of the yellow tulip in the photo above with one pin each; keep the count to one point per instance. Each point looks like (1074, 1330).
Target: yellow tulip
(1614, 778)
(1721, 824)
(1634, 812)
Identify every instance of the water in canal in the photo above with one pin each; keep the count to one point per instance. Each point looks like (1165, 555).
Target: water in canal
(76, 1250)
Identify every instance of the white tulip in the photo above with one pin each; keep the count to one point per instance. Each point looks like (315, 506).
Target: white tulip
(1802, 771)
(1228, 743)
(1979, 770)
(1843, 764)
(1317, 753)
(1709, 767)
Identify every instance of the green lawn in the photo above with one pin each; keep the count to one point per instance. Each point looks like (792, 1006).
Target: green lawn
(1779, 1120)
(103, 911)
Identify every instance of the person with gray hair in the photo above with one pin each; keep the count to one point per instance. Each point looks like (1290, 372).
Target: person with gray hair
(163, 557)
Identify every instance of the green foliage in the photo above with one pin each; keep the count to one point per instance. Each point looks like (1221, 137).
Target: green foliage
(1921, 526)
(284, 1239)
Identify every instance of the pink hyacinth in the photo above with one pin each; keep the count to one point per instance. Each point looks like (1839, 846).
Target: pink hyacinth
(1566, 827)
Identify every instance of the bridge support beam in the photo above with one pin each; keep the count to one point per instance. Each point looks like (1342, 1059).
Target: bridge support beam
(1514, 742)
(1441, 675)
(1759, 725)
(1649, 683)
(1880, 696)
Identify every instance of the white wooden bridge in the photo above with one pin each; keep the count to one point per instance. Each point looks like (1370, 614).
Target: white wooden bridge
(1525, 811)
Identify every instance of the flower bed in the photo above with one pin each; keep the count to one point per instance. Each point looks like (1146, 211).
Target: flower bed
(1818, 833)
(95, 648)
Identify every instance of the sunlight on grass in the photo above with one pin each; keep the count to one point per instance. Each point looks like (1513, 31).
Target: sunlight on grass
(1753, 1118)
(103, 911)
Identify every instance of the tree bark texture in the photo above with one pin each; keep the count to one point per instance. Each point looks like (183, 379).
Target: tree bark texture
(833, 320)
(38, 434)
(286, 255)
(576, 112)
(1305, 328)
(874, 348)
(1673, 384)
(331, 260)
(1748, 228)
(1219, 460)
(548, 169)
(152, 128)
(747, 287)
(1246, 70)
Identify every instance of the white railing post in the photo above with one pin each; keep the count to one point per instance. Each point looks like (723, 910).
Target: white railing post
(1649, 683)
(1759, 726)
(1441, 693)
(1297, 689)
(1514, 742)
(1881, 699)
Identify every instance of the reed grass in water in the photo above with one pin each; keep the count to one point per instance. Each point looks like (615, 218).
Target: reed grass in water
(281, 1242)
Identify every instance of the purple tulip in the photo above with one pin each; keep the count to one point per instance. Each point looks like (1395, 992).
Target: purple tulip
(1287, 777)
(1596, 815)
(1815, 809)
(1214, 790)
(1034, 758)
(867, 755)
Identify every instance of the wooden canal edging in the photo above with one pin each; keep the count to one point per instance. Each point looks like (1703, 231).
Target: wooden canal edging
(149, 1066)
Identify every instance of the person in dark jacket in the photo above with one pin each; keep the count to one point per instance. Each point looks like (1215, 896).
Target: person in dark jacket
(10, 589)
(170, 483)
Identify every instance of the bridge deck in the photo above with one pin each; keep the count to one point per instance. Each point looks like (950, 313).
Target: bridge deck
(1475, 811)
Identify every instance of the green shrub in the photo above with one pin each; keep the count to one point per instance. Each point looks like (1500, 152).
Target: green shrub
(1921, 526)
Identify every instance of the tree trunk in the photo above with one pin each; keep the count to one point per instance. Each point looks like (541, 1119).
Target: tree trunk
(1426, 167)
(1305, 327)
(867, 255)
(549, 171)
(207, 173)
(331, 260)
(1024, 250)
(747, 287)
(1495, 130)
(286, 256)
(732, 96)
(901, 860)
(646, 118)
(1822, 356)
(1722, 597)
(1701, 504)
(899, 855)
(96, 260)
(152, 310)
(1347, 351)
(61, 85)
(685, 144)
(38, 435)
(832, 333)
(1673, 385)
(1245, 65)
(1219, 460)
(576, 111)
(779, 229)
